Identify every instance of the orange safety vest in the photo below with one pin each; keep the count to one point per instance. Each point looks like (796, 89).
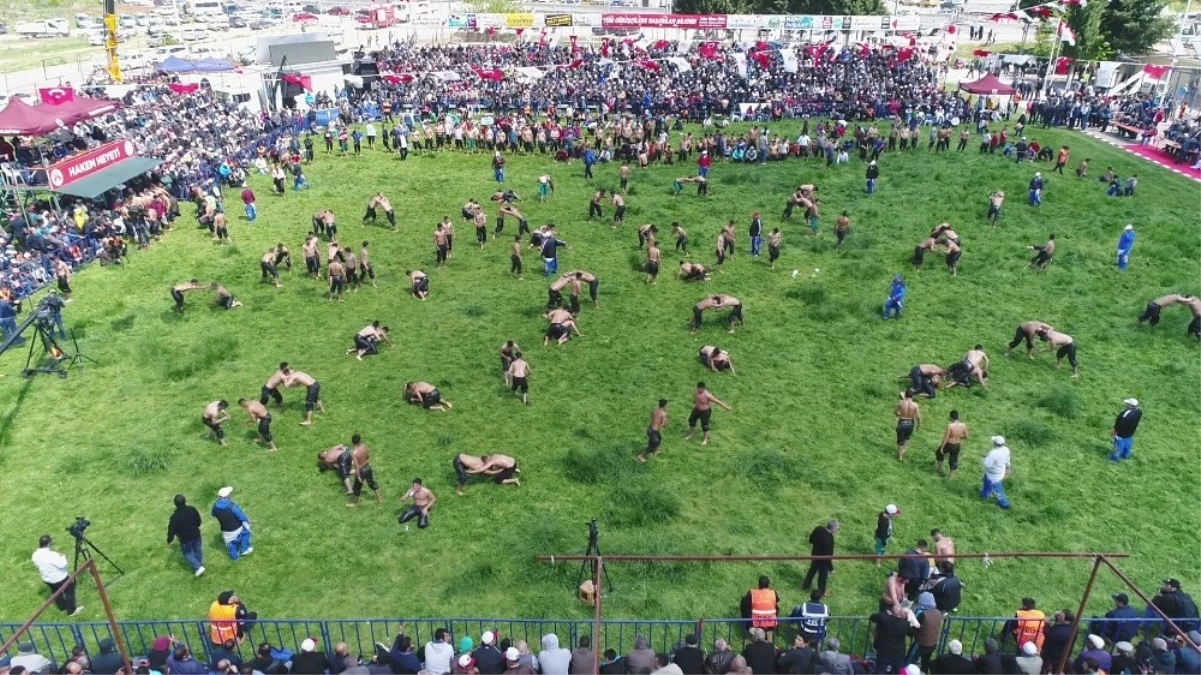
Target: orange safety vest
(1029, 628)
(763, 608)
(223, 623)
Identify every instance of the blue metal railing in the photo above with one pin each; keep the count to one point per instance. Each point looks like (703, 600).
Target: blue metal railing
(56, 641)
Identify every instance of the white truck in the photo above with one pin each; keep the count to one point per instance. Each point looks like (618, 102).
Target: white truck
(46, 28)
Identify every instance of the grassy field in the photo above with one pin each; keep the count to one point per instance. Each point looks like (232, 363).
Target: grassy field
(810, 436)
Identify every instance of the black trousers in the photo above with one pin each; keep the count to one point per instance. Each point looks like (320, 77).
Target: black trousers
(819, 569)
(66, 601)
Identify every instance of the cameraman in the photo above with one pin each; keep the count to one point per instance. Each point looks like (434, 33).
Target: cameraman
(52, 566)
(55, 303)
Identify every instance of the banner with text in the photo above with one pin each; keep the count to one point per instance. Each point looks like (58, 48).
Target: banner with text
(558, 20)
(523, 20)
(686, 21)
(81, 166)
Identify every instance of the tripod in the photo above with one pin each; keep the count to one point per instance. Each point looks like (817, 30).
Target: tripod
(61, 362)
(594, 550)
(83, 551)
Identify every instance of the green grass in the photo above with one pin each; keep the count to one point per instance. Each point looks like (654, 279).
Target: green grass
(810, 436)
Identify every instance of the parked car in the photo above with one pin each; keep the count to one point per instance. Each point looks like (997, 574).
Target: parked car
(237, 22)
(311, 9)
(338, 11)
(304, 17)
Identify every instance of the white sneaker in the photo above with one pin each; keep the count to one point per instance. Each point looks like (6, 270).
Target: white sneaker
(200, 570)
(248, 551)
(78, 610)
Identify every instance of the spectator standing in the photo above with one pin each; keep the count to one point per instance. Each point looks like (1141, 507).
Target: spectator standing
(582, 657)
(1056, 638)
(185, 525)
(760, 655)
(884, 530)
(524, 654)
(1123, 430)
(52, 567)
(996, 470)
(892, 630)
(946, 588)
(1177, 604)
(689, 658)
(953, 662)
(248, 202)
(439, 652)
(929, 631)
(813, 616)
(1123, 624)
(873, 174)
(914, 568)
(1125, 246)
(1029, 624)
(762, 607)
(799, 659)
(821, 541)
(554, 659)
(896, 299)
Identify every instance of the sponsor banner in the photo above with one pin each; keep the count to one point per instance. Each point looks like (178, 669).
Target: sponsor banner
(558, 20)
(773, 21)
(429, 21)
(746, 21)
(687, 21)
(485, 21)
(523, 20)
(587, 19)
(911, 22)
(81, 166)
(799, 23)
(462, 21)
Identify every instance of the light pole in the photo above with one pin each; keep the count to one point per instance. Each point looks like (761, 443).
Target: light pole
(1177, 45)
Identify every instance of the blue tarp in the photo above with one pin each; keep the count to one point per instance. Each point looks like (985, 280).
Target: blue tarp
(174, 64)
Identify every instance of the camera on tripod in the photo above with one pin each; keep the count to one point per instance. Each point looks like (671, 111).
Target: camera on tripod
(77, 528)
(593, 532)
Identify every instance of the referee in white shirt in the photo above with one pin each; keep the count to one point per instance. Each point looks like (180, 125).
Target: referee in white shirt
(52, 565)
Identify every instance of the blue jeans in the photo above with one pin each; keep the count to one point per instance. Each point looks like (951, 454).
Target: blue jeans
(238, 547)
(1123, 260)
(871, 185)
(703, 172)
(1036, 198)
(9, 325)
(756, 242)
(58, 323)
(1122, 448)
(991, 489)
(193, 552)
(892, 309)
(549, 266)
(251, 212)
(499, 174)
(296, 184)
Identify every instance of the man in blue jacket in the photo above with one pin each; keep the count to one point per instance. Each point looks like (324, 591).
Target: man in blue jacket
(1125, 245)
(896, 298)
(235, 526)
(1123, 623)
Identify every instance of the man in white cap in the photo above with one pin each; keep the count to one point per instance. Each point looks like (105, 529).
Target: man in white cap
(488, 658)
(996, 470)
(515, 666)
(1029, 662)
(309, 660)
(235, 526)
(884, 529)
(1096, 651)
(1123, 661)
(953, 662)
(1123, 430)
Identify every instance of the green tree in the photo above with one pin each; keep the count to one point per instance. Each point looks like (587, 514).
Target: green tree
(1043, 36)
(834, 7)
(495, 6)
(1134, 26)
(1092, 43)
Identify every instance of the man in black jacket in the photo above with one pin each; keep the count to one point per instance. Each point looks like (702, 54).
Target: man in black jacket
(914, 568)
(309, 661)
(993, 662)
(1176, 604)
(108, 660)
(1056, 636)
(953, 662)
(822, 542)
(946, 588)
(892, 629)
(799, 659)
(185, 525)
(760, 655)
(690, 658)
(488, 658)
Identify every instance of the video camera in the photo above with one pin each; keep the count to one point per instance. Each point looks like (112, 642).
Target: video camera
(77, 528)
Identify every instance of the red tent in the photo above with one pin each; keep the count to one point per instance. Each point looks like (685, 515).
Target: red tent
(21, 119)
(988, 85)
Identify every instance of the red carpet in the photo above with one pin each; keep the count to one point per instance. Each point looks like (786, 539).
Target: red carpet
(1163, 159)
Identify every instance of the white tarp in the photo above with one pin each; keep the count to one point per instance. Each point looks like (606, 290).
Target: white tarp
(680, 63)
(530, 72)
(740, 63)
(790, 60)
(447, 75)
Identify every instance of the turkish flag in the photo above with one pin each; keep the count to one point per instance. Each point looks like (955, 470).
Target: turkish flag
(605, 48)
(708, 50)
(518, 31)
(1062, 65)
(662, 44)
(981, 53)
(181, 88)
(303, 81)
(578, 63)
(56, 95)
(762, 58)
(573, 47)
(1155, 72)
(649, 64)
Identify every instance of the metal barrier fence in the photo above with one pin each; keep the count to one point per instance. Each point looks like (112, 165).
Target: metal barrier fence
(56, 641)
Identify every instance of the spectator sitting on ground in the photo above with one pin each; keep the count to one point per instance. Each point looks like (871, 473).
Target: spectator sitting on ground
(1124, 662)
(1188, 659)
(1055, 639)
(554, 659)
(689, 658)
(583, 656)
(1029, 662)
(641, 658)
(739, 666)
(759, 654)
(33, 662)
(438, 653)
(524, 654)
(1162, 660)
(181, 662)
(664, 666)
(719, 662)
(337, 662)
(799, 659)
(351, 666)
(381, 661)
(464, 665)
(993, 662)
(309, 661)
(108, 660)
(515, 666)
(1095, 651)
(612, 665)
(833, 661)
(226, 651)
(1118, 630)
(402, 658)
(953, 662)
(487, 657)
